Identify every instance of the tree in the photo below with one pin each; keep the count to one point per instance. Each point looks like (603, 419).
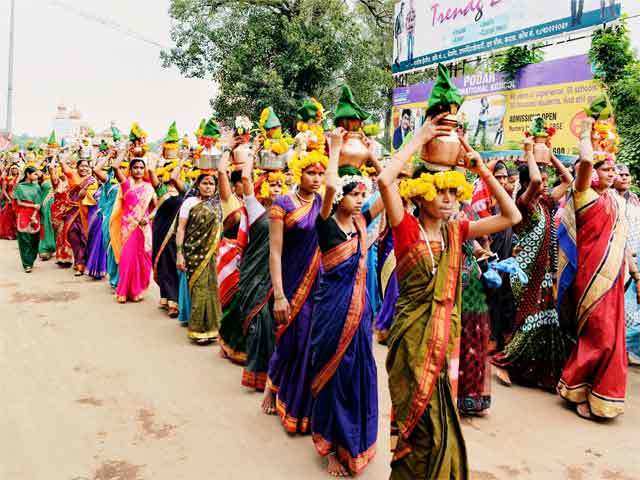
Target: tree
(617, 67)
(276, 52)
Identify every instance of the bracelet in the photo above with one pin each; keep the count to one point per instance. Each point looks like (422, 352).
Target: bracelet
(178, 248)
(279, 297)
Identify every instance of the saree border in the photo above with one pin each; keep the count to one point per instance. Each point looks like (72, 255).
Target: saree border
(289, 423)
(354, 315)
(600, 405)
(254, 380)
(302, 293)
(442, 306)
(355, 464)
(207, 259)
(255, 310)
(608, 270)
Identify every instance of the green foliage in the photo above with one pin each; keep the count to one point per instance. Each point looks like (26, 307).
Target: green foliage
(277, 52)
(515, 58)
(616, 65)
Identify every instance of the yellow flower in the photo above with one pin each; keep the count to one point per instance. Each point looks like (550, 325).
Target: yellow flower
(427, 185)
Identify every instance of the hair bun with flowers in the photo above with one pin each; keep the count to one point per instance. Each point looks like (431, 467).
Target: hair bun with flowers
(428, 184)
(347, 180)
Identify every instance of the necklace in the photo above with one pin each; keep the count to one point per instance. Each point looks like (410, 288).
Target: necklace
(434, 268)
(303, 200)
(347, 234)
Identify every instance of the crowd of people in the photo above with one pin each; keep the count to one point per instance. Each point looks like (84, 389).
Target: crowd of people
(292, 253)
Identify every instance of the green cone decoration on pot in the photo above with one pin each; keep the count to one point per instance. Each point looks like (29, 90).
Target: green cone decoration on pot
(172, 134)
(211, 129)
(348, 107)
(52, 142)
(444, 93)
(600, 108)
(308, 111)
(103, 146)
(269, 119)
(538, 128)
(115, 133)
(136, 133)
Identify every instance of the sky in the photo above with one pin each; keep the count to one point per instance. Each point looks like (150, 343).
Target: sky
(63, 58)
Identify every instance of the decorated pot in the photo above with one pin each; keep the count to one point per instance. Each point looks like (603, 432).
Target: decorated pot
(170, 151)
(209, 159)
(267, 160)
(241, 155)
(444, 152)
(541, 152)
(354, 152)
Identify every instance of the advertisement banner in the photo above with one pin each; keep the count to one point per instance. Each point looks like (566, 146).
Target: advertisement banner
(435, 31)
(497, 112)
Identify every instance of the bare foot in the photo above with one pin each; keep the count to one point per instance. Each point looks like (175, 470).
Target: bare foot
(583, 410)
(121, 299)
(268, 402)
(503, 376)
(335, 468)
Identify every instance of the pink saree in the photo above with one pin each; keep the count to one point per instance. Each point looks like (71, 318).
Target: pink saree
(131, 242)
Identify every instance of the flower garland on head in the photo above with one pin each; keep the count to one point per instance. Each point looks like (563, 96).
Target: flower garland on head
(265, 188)
(428, 184)
(347, 180)
(304, 160)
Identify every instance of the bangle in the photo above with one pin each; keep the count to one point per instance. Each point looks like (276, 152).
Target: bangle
(178, 248)
(279, 297)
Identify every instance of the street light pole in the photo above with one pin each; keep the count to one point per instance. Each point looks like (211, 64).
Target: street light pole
(10, 80)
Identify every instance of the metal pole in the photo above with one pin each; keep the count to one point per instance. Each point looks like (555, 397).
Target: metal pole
(10, 81)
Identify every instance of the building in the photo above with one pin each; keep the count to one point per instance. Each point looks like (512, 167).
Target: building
(68, 124)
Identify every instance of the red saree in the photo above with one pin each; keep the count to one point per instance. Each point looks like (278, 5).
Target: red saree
(596, 371)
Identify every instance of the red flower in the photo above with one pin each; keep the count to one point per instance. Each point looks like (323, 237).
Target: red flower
(551, 131)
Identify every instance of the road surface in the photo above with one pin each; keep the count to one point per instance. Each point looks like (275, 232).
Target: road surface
(96, 390)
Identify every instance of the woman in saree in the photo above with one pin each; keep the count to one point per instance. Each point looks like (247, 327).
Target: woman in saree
(96, 252)
(232, 339)
(197, 240)
(170, 191)
(131, 231)
(591, 274)
(474, 375)
(27, 197)
(426, 439)
(7, 212)
(47, 247)
(59, 206)
(388, 282)
(254, 296)
(294, 263)
(344, 420)
(79, 199)
(536, 347)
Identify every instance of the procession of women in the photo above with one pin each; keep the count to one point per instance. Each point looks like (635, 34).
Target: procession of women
(291, 249)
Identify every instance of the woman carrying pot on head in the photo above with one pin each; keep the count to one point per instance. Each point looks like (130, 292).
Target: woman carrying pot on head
(81, 186)
(591, 277)
(344, 420)
(255, 293)
(28, 197)
(294, 262)
(536, 347)
(170, 190)
(131, 230)
(197, 240)
(426, 435)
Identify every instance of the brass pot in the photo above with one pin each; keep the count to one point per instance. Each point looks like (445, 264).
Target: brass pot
(444, 152)
(541, 152)
(354, 152)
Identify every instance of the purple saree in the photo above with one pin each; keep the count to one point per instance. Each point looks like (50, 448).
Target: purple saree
(289, 373)
(344, 385)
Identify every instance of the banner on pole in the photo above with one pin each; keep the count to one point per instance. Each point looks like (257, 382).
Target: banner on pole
(497, 112)
(437, 31)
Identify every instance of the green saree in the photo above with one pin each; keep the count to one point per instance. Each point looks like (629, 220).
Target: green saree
(27, 221)
(426, 437)
(202, 235)
(48, 239)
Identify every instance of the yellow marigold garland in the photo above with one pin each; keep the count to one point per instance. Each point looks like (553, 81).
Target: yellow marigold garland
(304, 160)
(427, 185)
(265, 188)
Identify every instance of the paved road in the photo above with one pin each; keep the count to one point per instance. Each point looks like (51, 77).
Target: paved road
(95, 390)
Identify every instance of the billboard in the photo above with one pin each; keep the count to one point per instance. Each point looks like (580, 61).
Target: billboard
(498, 112)
(436, 31)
